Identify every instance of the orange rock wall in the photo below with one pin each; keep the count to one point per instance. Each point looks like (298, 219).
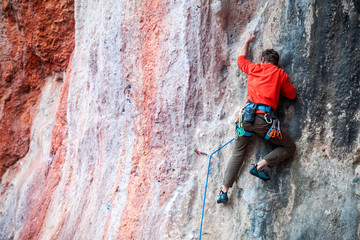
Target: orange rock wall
(39, 207)
(37, 40)
(143, 161)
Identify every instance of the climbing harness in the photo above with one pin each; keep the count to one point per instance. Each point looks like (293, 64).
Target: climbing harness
(249, 112)
(207, 178)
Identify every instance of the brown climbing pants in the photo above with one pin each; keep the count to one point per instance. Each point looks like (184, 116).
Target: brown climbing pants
(285, 149)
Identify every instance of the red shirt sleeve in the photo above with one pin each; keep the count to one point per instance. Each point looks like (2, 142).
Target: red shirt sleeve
(287, 89)
(245, 65)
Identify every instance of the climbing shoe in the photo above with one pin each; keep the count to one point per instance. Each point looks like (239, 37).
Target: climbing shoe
(260, 174)
(223, 198)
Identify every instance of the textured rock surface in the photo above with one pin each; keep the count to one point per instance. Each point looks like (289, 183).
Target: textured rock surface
(111, 147)
(36, 42)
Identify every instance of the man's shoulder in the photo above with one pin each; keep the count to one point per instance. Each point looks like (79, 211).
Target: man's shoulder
(283, 75)
(279, 69)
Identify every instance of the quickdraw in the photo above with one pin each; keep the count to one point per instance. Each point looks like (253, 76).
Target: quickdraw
(274, 131)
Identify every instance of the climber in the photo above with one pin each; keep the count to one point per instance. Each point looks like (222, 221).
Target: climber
(265, 83)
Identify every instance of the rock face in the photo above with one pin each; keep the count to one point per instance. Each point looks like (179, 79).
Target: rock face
(100, 145)
(36, 42)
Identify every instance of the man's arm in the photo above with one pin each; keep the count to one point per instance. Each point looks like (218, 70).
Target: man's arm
(245, 48)
(244, 64)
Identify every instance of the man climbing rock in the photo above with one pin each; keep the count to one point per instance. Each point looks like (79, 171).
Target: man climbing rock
(265, 83)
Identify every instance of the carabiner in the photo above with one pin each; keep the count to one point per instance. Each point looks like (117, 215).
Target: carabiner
(278, 125)
(274, 132)
(239, 130)
(279, 135)
(267, 117)
(271, 133)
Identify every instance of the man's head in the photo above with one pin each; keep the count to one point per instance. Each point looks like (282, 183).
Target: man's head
(270, 56)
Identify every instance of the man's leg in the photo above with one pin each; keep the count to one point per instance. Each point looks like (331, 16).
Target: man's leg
(235, 162)
(286, 146)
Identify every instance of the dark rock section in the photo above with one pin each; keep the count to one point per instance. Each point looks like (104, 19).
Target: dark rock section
(327, 74)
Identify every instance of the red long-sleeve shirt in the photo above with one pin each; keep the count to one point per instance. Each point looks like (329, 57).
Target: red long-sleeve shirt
(266, 82)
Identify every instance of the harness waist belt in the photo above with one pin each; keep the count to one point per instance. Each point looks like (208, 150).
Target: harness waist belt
(260, 107)
(264, 108)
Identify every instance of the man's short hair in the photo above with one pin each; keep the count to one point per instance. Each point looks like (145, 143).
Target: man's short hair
(270, 56)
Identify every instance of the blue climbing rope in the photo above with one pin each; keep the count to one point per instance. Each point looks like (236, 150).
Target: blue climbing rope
(207, 178)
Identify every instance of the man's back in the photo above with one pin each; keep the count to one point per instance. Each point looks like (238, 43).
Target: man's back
(266, 82)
